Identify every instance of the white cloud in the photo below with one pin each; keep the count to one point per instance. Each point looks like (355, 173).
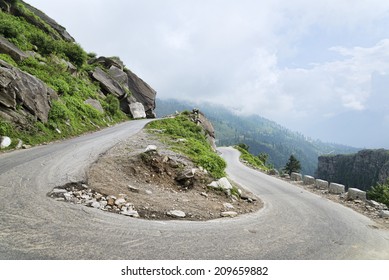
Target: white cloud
(297, 61)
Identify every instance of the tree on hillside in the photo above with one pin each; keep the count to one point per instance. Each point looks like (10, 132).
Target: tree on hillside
(243, 146)
(293, 165)
(264, 157)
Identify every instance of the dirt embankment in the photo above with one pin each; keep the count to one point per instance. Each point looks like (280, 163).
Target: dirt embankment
(158, 184)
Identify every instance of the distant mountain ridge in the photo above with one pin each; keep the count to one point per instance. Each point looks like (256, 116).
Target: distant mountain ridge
(260, 134)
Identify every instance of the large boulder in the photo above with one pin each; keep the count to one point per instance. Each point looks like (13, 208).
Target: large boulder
(95, 104)
(108, 85)
(20, 89)
(137, 110)
(8, 48)
(142, 92)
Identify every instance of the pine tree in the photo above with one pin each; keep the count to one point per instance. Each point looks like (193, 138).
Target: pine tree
(293, 165)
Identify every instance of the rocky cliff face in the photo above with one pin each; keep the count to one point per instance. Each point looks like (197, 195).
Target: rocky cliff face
(361, 170)
(25, 98)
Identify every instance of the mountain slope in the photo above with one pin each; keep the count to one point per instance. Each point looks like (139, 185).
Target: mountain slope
(260, 134)
(51, 88)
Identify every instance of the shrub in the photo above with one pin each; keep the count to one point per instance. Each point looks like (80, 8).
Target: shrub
(8, 59)
(195, 146)
(380, 193)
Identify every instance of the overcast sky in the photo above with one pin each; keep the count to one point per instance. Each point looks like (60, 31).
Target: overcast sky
(318, 67)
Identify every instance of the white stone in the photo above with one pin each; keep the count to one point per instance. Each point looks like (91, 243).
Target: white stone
(296, 176)
(95, 204)
(19, 145)
(59, 191)
(337, 188)
(384, 214)
(131, 213)
(228, 205)
(308, 180)
(176, 214)
(356, 194)
(5, 142)
(222, 183)
(137, 110)
(150, 148)
(321, 184)
(58, 131)
(229, 214)
(120, 201)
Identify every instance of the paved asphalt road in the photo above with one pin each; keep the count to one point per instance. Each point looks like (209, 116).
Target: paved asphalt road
(293, 224)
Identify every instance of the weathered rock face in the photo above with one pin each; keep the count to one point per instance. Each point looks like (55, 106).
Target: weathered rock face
(10, 49)
(361, 170)
(20, 89)
(142, 92)
(125, 85)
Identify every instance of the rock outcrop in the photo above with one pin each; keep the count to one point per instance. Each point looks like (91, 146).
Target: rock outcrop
(126, 86)
(8, 48)
(362, 170)
(19, 89)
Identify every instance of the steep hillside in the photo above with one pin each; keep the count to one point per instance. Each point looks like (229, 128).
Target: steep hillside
(361, 170)
(51, 88)
(260, 134)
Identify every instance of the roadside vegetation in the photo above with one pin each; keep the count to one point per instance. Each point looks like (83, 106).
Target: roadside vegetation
(380, 193)
(50, 60)
(185, 137)
(254, 161)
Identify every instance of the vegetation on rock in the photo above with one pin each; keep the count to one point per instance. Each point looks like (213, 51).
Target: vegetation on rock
(188, 138)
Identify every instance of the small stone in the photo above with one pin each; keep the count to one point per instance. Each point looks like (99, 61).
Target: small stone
(133, 189)
(58, 131)
(230, 214)
(120, 201)
(176, 214)
(131, 213)
(95, 204)
(5, 142)
(384, 214)
(67, 196)
(25, 146)
(59, 191)
(150, 148)
(103, 203)
(148, 192)
(111, 201)
(19, 144)
(204, 194)
(228, 205)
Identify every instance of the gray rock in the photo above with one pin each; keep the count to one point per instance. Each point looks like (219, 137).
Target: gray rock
(356, 194)
(142, 92)
(308, 180)
(294, 176)
(222, 183)
(67, 196)
(336, 188)
(176, 214)
(130, 213)
(228, 205)
(384, 214)
(58, 191)
(133, 189)
(120, 201)
(95, 204)
(5, 142)
(150, 148)
(148, 192)
(230, 214)
(95, 104)
(20, 88)
(321, 184)
(137, 110)
(8, 48)
(19, 145)
(109, 85)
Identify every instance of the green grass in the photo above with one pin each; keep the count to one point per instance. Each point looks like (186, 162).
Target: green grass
(195, 146)
(380, 193)
(251, 159)
(69, 114)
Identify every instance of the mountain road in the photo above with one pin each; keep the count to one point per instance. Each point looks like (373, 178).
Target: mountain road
(293, 224)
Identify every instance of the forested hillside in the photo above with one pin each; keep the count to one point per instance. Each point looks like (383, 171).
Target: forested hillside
(260, 134)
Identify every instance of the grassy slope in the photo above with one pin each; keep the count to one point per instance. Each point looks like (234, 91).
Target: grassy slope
(69, 114)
